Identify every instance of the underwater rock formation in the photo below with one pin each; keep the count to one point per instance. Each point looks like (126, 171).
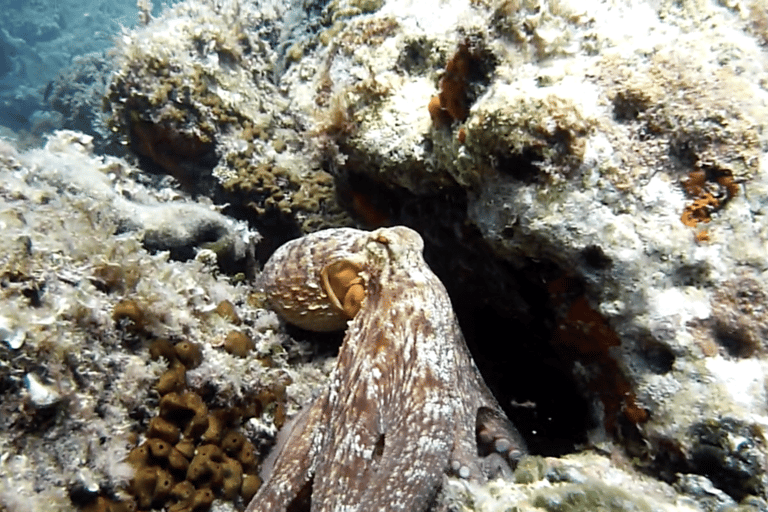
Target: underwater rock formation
(179, 227)
(600, 195)
(84, 309)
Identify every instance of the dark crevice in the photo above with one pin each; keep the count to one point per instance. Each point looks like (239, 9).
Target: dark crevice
(378, 449)
(303, 500)
(522, 167)
(276, 227)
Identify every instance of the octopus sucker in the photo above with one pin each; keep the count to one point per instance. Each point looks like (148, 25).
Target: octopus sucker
(405, 405)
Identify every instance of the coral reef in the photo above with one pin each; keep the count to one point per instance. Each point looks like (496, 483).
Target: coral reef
(200, 104)
(192, 454)
(592, 197)
(82, 370)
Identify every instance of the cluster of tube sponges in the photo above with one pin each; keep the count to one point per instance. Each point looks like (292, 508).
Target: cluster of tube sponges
(191, 454)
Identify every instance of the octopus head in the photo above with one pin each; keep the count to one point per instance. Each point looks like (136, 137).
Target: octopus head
(396, 246)
(344, 280)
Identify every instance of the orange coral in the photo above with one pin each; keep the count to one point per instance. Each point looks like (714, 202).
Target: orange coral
(695, 183)
(440, 117)
(585, 335)
(710, 190)
(700, 210)
(452, 103)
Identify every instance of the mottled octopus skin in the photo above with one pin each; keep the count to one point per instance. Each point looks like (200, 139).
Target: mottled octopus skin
(406, 404)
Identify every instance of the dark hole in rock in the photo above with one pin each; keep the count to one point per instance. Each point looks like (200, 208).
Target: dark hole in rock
(595, 257)
(414, 57)
(692, 275)
(628, 104)
(659, 358)
(520, 166)
(735, 339)
(80, 496)
(322, 344)
(34, 294)
(275, 227)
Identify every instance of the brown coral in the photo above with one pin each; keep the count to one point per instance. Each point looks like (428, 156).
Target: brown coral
(452, 103)
(130, 313)
(193, 454)
(238, 343)
(453, 85)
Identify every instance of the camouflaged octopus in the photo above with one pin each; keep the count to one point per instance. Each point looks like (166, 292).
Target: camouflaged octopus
(406, 404)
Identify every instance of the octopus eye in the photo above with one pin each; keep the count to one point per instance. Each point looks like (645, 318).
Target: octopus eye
(344, 286)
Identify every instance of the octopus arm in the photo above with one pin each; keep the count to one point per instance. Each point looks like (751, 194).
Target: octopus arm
(288, 471)
(394, 461)
(413, 462)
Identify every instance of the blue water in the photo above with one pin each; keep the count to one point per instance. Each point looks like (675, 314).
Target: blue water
(41, 38)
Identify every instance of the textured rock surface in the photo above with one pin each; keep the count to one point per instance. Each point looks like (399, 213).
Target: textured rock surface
(582, 482)
(183, 228)
(579, 151)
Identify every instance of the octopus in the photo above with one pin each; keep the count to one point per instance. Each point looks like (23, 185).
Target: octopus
(405, 407)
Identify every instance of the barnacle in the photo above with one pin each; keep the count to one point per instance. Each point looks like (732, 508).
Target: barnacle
(130, 312)
(250, 485)
(200, 500)
(215, 428)
(174, 379)
(226, 310)
(189, 354)
(233, 442)
(150, 484)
